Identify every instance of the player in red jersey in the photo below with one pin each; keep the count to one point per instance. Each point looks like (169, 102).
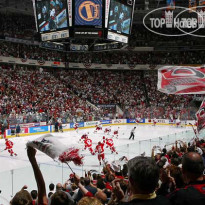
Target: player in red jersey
(109, 143)
(9, 145)
(83, 137)
(98, 127)
(115, 133)
(88, 144)
(107, 130)
(100, 150)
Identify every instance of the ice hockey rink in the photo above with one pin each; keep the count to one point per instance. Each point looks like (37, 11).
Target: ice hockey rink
(16, 171)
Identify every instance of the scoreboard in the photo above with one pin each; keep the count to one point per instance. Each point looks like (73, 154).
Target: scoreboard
(102, 19)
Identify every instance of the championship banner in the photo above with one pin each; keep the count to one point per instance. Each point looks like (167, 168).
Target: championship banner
(181, 80)
(170, 4)
(200, 115)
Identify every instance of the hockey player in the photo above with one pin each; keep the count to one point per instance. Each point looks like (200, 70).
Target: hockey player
(171, 120)
(100, 150)
(154, 121)
(115, 133)
(138, 120)
(83, 137)
(110, 144)
(9, 145)
(178, 122)
(98, 127)
(76, 126)
(107, 130)
(88, 144)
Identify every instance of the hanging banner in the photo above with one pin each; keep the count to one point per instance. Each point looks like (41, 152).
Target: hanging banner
(200, 115)
(181, 80)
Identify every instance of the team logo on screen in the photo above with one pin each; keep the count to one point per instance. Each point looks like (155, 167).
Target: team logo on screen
(89, 11)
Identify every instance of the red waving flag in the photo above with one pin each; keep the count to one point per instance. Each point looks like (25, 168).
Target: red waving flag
(200, 115)
(181, 80)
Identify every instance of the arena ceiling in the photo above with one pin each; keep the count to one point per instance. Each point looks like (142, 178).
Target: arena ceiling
(22, 6)
(141, 6)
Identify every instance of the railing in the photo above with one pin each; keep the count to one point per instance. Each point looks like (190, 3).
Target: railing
(13, 180)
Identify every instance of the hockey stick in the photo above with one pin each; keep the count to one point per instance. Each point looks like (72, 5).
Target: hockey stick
(2, 150)
(195, 132)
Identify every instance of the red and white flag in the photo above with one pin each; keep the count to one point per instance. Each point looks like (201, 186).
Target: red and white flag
(50, 145)
(200, 115)
(181, 80)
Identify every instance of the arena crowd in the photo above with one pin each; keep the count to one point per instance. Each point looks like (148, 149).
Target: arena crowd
(30, 94)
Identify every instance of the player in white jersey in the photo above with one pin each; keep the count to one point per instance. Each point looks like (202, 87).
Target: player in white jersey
(138, 120)
(116, 132)
(107, 130)
(178, 122)
(98, 127)
(154, 121)
(76, 126)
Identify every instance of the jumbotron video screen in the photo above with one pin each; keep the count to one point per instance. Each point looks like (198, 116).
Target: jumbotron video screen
(51, 15)
(120, 17)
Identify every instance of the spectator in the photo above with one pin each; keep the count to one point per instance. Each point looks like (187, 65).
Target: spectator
(89, 200)
(51, 189)
(193, 193)
(58, 187)
(34, 195)
(88, 186)
(22, 198)
(143, 180)
(60, 198)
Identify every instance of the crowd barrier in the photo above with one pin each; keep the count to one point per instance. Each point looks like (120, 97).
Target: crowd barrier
(42, 128)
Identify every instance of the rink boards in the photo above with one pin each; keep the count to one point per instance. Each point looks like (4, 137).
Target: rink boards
(41, 128)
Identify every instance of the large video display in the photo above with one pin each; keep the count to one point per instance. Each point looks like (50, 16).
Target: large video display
(120, 17)
(88, 13)
(51, 15)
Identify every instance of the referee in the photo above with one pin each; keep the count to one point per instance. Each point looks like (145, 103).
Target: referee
(132, 136)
